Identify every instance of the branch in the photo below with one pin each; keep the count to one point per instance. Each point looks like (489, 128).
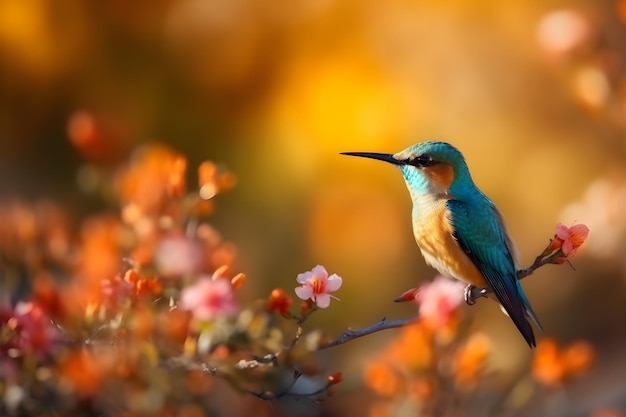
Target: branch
(385, 324)
(350, 334)
(541, 260)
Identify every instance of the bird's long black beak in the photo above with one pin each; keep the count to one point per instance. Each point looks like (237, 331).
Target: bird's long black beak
(386, 157)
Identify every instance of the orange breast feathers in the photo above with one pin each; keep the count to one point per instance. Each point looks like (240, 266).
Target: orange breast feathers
(433, 234)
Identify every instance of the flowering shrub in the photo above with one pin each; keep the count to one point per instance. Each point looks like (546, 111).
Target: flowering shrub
(140, 314)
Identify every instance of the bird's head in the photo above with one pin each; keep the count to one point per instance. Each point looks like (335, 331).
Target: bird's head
(428, 168)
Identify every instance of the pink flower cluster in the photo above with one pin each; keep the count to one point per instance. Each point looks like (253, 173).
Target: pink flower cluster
(439, 299)
(566, 240)
(32, 330)
(209, 298)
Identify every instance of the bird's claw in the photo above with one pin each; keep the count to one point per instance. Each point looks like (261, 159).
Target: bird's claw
(472, 292)
(468, 296)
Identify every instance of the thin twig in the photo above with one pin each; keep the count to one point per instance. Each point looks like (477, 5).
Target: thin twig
(350, 334)
(270, 358)
(539, 262)
(523, 273)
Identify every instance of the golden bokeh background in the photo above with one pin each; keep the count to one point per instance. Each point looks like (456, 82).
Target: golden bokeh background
(533, 93)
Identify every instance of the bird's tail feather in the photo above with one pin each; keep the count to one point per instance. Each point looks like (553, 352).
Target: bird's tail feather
(526, 329)
(530, 313)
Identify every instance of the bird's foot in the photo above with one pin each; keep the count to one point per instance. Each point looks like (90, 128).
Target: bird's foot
(472, 292)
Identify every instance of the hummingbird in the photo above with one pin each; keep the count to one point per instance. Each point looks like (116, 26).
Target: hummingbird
(458, 229)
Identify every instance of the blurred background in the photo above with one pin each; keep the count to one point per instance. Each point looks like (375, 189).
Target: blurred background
(533, 93)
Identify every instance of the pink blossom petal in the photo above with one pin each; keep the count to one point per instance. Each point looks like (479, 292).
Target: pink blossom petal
(572, 237)
(322, 300)
(203, 313)
(579, 230)
(567, 247)
(189, 299)
(208, 299)
(334, 282)
(304, 292)
(177, 256)
(304, 277)
(439, 298)
(562, 232)
(319, 271)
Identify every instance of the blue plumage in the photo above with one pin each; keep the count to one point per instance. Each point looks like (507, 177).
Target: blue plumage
(484, 241)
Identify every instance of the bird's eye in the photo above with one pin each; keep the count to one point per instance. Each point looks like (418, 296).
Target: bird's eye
(423, 160)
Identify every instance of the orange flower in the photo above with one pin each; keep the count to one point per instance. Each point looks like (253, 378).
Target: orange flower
(96, 137)
(547, 365)
(413, 347)
(212, 180)
(552, 365)
(100, 251)
(422, 389)
(142, 322)
(154, 173)
(176, 177)
(380, 409)
(578, 357)
(173, 325)
(279, 302)
(48, 295)
(142, 285)
(471, 358)
(83, 373)
(382, 378)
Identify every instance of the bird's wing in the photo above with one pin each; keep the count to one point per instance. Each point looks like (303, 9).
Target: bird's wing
(485, 242)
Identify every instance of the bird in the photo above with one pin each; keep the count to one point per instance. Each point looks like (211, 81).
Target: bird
(458, 229)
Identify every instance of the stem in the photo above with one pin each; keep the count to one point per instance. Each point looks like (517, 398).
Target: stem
(350, 334)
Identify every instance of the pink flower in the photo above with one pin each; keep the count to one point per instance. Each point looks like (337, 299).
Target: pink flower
(316, 285)
(439, 299)
(177, 256)
(208, 299)
(34, 331)
(571, 237)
